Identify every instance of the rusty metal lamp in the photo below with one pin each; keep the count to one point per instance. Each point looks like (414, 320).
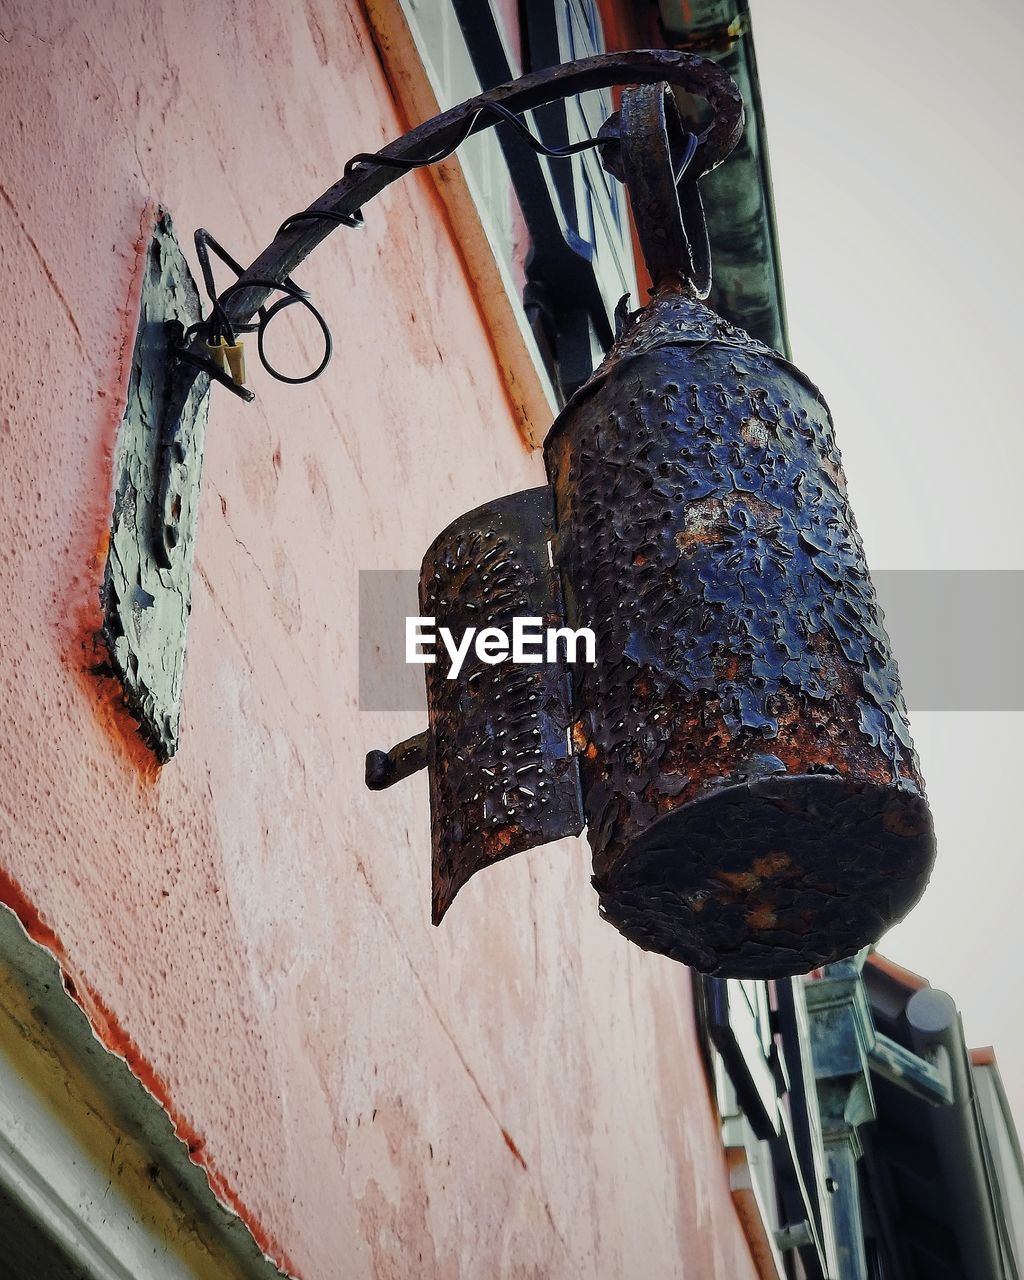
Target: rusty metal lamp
(739, 751)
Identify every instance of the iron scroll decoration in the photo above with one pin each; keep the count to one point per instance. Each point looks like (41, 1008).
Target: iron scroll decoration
(739, 750)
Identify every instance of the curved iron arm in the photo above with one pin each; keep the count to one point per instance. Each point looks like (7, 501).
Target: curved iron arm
(697, 75)
(343, 201)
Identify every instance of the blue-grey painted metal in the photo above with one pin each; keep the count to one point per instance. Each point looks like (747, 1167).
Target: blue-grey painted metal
(145, 603)
(842, 1034)
(908, 1106)
(748, 288)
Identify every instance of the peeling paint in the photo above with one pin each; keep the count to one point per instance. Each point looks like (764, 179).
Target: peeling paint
(145, 605)
(255, 928)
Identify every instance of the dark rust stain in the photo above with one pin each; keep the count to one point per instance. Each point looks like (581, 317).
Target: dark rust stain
(753, 800)
(510, 1143)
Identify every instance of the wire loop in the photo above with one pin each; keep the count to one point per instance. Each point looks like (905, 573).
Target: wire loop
(218, 327)
(268, 314)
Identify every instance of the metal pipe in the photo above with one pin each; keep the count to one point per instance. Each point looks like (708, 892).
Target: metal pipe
(937, 1035)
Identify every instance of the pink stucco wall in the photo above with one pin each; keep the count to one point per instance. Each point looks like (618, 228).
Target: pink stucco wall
(518, 1093)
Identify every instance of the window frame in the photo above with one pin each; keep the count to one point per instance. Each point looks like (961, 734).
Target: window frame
(762, 1079)
(566, 315)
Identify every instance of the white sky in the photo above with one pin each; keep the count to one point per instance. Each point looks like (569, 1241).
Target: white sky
(895, 138)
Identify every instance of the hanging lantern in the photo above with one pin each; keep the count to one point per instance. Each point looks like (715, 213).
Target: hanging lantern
(737, 744)
(739, 749)
(752, 797)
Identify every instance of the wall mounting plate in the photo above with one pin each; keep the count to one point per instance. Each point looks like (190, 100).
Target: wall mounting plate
(146, 606)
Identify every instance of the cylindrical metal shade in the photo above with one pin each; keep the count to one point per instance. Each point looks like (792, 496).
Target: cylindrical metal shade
(753, 799)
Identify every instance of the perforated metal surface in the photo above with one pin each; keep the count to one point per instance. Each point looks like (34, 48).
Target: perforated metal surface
(753, 800)
(502, 774)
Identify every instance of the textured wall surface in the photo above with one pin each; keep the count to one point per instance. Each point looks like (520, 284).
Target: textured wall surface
(518, 1093)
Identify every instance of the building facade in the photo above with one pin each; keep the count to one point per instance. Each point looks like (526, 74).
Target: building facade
(226, 1013)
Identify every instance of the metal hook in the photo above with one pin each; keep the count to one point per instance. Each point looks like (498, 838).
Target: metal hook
(660, 161)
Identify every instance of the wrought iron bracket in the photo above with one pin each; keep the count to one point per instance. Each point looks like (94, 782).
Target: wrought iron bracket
(367, 176)
(737, 746)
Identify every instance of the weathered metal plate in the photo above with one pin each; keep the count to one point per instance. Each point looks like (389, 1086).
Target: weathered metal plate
(503, 776)
(146, 607)
(753, 799)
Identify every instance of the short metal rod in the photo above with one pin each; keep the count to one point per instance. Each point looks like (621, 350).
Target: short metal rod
(385, 768)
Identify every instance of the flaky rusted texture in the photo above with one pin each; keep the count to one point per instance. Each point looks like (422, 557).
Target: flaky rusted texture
(752, 795)
(503, 777)
(146, 605)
